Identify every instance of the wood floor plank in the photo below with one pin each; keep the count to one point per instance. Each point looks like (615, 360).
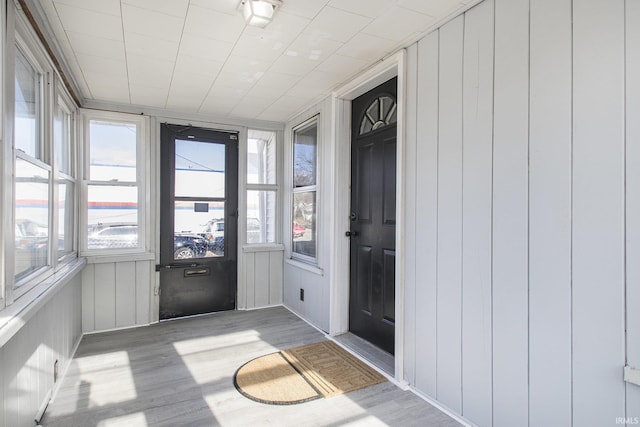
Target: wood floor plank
(181, 373)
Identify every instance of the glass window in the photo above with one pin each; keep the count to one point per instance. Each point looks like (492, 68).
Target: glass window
(114, 188)
(31, 219)
(64, 147)
(305, 153)
(261, 157)
(200, 169)
(261, 216)
(27, 107)
(262, 188)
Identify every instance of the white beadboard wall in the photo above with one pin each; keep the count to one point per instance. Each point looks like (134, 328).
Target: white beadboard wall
(27, 359)
(116, 295)
(526, 213)
(262, 278)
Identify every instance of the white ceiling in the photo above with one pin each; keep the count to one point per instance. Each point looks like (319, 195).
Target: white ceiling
(198, 56)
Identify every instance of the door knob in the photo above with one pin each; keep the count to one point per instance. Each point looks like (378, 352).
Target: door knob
(351, 233)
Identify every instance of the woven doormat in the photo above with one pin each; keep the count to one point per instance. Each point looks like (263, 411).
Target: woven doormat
(304, 373)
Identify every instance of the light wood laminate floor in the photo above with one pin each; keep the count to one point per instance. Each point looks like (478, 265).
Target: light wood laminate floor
(180, 373)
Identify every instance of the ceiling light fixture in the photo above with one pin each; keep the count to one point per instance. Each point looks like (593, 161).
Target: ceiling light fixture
(259, 13)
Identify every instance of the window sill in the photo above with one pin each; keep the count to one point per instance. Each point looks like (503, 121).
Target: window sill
(107, 258)
(304, 266)
(267, 247)
(15, 316)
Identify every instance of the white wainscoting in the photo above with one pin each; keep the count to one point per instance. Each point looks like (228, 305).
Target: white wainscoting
(27, 359)
(116, 295)
(517, 289)
(261, 279)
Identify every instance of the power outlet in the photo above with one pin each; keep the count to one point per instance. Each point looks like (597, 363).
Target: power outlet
(55, 371)
(301, 294)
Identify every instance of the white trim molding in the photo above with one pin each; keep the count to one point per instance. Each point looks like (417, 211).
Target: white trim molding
(393, 66)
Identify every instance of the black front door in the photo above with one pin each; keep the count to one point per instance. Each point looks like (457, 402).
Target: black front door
(198, 221)
(373, 216)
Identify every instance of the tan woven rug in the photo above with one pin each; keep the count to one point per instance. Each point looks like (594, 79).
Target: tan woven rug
(304, 373)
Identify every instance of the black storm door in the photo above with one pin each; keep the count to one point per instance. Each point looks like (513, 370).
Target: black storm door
(198, 221)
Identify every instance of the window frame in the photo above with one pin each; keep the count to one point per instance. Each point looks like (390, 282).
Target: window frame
(64, 101)
(304, 125)
(142, 124)
(25, 42)
(275, 188)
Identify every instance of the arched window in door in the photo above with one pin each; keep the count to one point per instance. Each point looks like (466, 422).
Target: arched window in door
(380, 113)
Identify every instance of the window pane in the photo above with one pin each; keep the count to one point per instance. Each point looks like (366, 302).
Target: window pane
(261, 157)
(66, 191)
(26, 106)
(200, 168)
(304, 223)
(62, 139)
(261, 216)
(304, 156)
(112, 217)
(198, 229)
(32, 218)
(112, 151)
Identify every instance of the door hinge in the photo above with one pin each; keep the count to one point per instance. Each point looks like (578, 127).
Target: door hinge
(156, 291)
(632, 375)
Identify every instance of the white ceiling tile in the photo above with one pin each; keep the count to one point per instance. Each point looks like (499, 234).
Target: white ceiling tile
(242, 81)
(105, 87)
(96, 46)
(108, 7)
(439, 8)
(313, 45)
(187, 64)
(305, 8)
(284, 108)
(314, 84)
(337, 24)
(148, 96)
(366, 47)
(207, 49)
(230, 7)
(138, 44)
(369, 8)
(181, 102)
(149, 72)
(284, 29)
(294, 65)
(213, 24)
(273, 84)
(89, 22)
(150, 23)
(245, 65)
(259, 47)
(251, 106)
(176, 8)
(398, 24)
(343, 65)
(190, 84)
(106, 66)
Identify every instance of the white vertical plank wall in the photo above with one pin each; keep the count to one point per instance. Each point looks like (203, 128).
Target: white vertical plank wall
(116, 295)
(598, 211)
(27, 359)
(511, 214)
(125, 294)
(550, 213)
(427, 219)
(530, 212)
(263, 279)
(409, 244)
(449, 293)
(477, 173)
(633, 199)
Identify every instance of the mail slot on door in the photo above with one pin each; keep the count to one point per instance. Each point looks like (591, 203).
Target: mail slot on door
(198, 271)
